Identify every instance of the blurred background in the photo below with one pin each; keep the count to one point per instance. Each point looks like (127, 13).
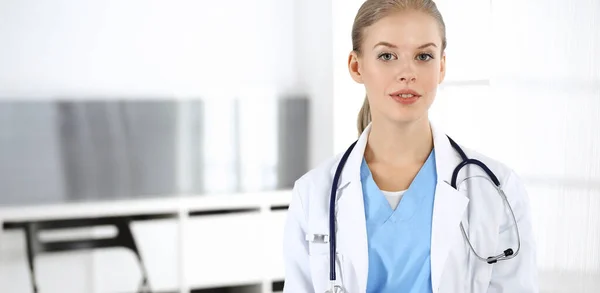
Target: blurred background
(159, 140)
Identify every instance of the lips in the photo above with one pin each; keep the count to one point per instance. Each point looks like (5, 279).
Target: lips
(405, 93)
(405, 96)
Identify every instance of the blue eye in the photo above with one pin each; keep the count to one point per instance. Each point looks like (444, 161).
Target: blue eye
(424, 57)
(386, 56)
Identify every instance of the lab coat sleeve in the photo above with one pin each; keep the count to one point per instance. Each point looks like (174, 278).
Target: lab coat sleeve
(295, 247)
(520, 274)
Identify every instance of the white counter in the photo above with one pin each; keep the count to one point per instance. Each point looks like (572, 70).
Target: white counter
(195, 248)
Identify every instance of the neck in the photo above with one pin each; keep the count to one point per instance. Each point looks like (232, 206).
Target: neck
(399, 144)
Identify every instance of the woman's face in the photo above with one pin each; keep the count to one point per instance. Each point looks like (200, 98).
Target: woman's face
(401, 65)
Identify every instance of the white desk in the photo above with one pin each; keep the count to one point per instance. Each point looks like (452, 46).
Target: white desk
(210, 241)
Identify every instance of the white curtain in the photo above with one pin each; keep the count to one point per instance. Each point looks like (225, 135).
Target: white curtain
(523, 86)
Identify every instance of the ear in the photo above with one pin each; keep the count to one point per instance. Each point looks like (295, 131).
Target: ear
(442, 67)
(354, 67)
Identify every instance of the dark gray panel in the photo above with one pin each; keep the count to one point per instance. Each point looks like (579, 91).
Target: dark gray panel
(151, 143)
(94, 151)
(30, 160)
(293, 140)
(110, 149)
(195, 143)
(119, 149)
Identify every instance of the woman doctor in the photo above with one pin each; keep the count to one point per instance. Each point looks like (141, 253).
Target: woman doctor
(398, 220)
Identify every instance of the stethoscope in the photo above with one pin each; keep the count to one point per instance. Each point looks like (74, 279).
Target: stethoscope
(506, 255)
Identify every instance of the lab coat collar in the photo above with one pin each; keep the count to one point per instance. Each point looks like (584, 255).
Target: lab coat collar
(351, 170)
(445, 156)
(449, 207)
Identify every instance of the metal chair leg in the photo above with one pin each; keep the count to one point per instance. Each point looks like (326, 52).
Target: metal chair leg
(144, 286)
(30, 233)
(127, 234)
(144, 283)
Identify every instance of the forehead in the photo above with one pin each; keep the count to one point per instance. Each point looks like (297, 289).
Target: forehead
(404, 29)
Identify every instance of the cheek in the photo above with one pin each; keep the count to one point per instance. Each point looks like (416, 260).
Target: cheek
(377, 76)
(429, 79)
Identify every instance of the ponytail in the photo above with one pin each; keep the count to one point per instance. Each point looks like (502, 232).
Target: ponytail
(364, 116)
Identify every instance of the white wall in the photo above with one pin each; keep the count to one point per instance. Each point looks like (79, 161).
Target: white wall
(145, 47)
(315, 64)
(348, 96)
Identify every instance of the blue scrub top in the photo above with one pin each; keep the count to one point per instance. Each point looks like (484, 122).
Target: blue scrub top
(399, 240)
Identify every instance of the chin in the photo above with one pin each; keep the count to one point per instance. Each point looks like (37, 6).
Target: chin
(405, 116)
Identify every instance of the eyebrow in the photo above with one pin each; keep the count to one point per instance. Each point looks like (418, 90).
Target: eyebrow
(394, 46)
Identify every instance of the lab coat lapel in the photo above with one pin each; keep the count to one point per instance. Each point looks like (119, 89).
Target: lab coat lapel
(449, 207)
(351, 224)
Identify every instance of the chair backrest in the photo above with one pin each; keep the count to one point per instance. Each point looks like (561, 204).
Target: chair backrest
(124, 237)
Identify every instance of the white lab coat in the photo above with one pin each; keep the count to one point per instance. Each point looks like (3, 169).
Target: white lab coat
(454, 268)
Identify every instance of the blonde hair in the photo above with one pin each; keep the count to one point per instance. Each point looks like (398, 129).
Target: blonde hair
(372, 11)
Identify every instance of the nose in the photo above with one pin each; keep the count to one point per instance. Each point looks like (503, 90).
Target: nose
(406, 73)
(407, 76)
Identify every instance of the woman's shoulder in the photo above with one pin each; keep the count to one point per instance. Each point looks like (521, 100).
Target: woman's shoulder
(311, 191)
(319, 175)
